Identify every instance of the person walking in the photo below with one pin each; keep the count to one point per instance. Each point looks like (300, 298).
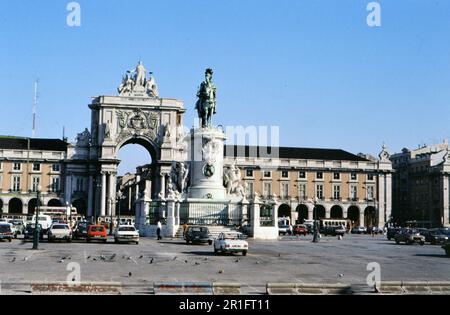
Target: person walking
(158, 230)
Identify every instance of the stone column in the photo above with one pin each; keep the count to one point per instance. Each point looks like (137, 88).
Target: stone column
(446, 201)
(171, 226)
(113, 192)
(388, 210)
(103, 196)
(256, 215)
(90, 205)
(361, 218)
(244, 212)
(327, 212)
(177, 212)
(163, 186)
(382, 202)
(311, 213)
(109, 197)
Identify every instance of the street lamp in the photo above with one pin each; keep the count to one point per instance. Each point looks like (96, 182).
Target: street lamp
(316, 230)
(36, 221)
(110, 201)
(119, 198)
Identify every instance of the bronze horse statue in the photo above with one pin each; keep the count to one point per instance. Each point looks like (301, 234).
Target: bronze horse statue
(206, 104)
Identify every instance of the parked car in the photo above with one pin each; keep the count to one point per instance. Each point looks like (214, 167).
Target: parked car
(80, 231)
(391, 232)
(29, 231)
(446, 247)
(231, 242)
(44, 220)
(359, 230)
(6, 231)
(283, 229)
(301, 229)
(60, 231)
(18, 227)
(428, 234)
(198, 235)
(333, 230)
(126, 234)
(375, 230)
(97, 233)
(409, 236)
(440, 236)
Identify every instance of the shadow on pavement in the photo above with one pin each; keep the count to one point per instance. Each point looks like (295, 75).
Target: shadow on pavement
(432, 255)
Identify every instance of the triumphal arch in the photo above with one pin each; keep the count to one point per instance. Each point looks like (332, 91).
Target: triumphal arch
(137, 115)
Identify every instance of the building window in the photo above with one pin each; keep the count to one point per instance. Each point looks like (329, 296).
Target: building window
(250, 189)
(267, 190)
(35, 184)
(302, 174)
(55, 184)
(16, 183)
(354, 176)
(370, 176)
(284, 174)
(36, 167)
(267, 174)
(319, 175)
(319, 191)
(17, 166)
(79, 184)
(370, 192)
(56, 168)
(353, 192)
(337, 176)
(337, 192)
(249, 173)
(284, 190)
(302, 191)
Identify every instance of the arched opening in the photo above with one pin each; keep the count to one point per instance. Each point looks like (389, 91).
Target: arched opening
(32, 204)
(284, 211)
(319, 212)
(80, 205)
(15, 206)
(336, 212)
(302, 214)
(135, 175)
(1, 207)
(370, 217)
(54, 203)
(353, 215)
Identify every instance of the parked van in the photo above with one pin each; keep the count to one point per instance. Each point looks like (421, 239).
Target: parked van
(44, 220)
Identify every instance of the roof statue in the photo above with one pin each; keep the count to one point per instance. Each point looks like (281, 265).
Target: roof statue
(135, 83)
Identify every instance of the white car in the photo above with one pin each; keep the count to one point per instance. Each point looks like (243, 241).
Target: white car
(126, 234)
(231, 242)
(60, 231)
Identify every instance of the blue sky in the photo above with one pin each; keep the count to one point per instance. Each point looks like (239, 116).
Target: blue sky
(312, 67)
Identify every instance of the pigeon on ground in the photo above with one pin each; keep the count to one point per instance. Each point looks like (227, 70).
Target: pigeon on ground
(25, 259)
(88, 257)
(142, 256)
(14, 259)
(197, 263)
(102, 257)
(130, 274)
(185, 261)
(112, 257)
(61, 261)
(151, 261)
(237, 260)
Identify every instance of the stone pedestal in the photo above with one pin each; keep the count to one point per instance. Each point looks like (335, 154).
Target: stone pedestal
(206, 150)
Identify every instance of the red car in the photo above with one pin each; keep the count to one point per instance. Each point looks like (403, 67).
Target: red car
(300, 229)
(97, 233)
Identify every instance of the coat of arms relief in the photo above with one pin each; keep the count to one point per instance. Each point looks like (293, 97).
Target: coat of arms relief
(137, 123)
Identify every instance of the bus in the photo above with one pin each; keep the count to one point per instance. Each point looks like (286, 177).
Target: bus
(334, 222)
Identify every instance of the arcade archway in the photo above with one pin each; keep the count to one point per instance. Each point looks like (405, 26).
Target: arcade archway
(302, 213)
